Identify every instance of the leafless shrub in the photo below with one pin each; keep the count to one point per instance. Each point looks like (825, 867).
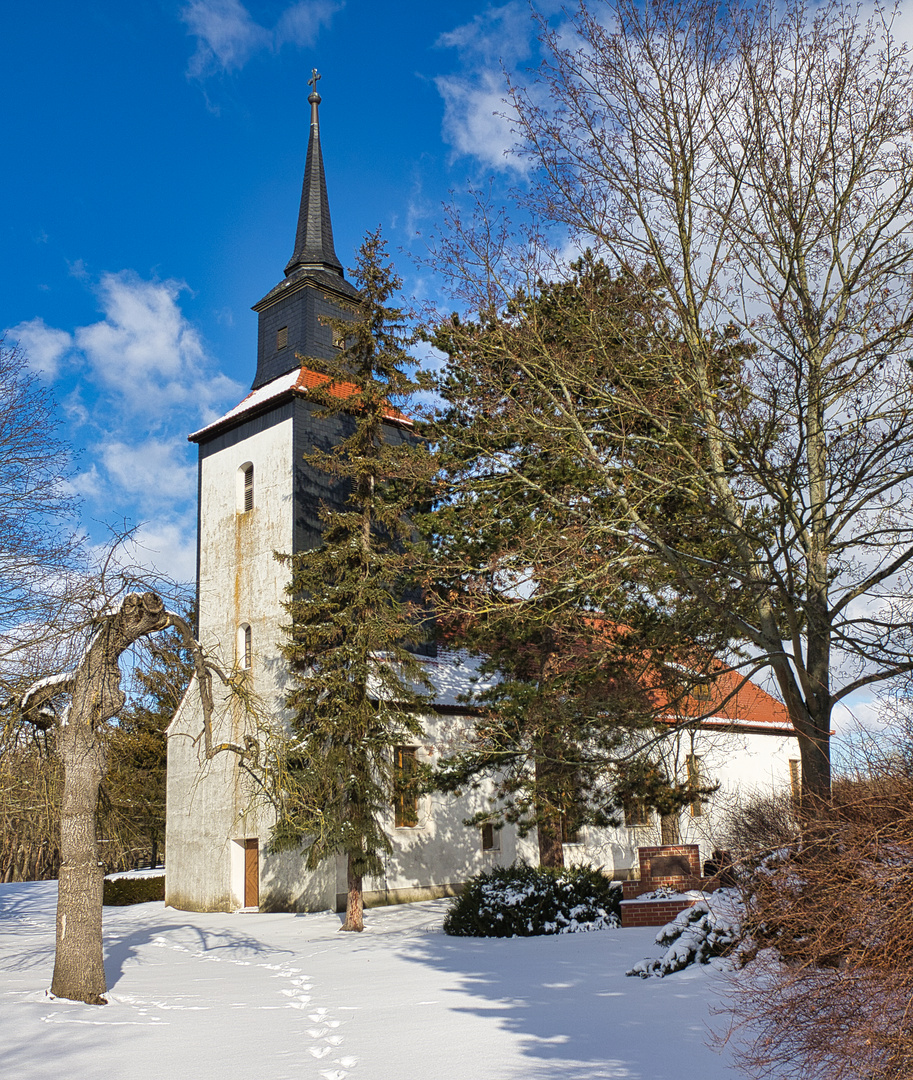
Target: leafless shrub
(831, 990)
(759, 824)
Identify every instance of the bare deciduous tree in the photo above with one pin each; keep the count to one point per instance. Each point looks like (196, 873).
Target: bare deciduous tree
(41, 555)
(752, 166)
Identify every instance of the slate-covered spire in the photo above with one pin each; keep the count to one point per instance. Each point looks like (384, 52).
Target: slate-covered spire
(314, 240)
(296, 315)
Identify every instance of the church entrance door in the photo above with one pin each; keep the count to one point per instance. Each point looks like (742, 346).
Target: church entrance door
(251, 873)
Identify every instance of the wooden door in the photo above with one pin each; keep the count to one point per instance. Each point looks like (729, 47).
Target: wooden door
(251, 873)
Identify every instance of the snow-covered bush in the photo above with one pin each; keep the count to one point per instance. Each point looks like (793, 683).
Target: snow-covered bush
(695, 936)
(522, 901)
(124, 889)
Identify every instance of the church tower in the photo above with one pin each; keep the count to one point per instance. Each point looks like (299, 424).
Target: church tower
(257, 496)
(314, 286)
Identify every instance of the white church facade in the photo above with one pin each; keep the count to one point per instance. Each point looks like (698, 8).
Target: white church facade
(257, 497)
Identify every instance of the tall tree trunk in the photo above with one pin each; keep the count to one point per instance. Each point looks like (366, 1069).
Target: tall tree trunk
(79, 968)
(669, 830)
(355, 899)
(551, 850)
(814, 752)
(811, 717)
(95, 699)
(548, 819)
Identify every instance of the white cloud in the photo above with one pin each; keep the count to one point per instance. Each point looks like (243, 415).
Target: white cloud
(147, 355)
(300, 24)
(477, 116)
(496, 37)
(88, 484)
(150, 471)
(477, 119)
(43, 346)
(168, 546)
(138, 379)
(227, 35)
(156, 551)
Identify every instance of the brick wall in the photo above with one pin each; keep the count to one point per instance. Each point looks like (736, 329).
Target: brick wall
(652, 912)
(636, 912)
(689, 854)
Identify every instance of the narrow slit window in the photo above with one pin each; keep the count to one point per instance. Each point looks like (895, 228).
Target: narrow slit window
(795, 778)
(248, 488)
(282, 338)
(245, 647)
(570, 818)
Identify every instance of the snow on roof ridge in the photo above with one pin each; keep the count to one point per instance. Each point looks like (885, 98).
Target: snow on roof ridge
(301, 378)
(253, 399)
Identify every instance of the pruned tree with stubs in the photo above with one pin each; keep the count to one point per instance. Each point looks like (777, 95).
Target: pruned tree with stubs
(752, 165)
(80, 703)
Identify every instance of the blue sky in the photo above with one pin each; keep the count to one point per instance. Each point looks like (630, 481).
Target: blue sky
(154, 156)
(154, 153)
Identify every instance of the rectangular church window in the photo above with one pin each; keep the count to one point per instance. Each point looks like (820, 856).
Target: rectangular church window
(695, 777)
(405, 798)
(637, 812)
(491, 838)
(701, 692)
(282, 338)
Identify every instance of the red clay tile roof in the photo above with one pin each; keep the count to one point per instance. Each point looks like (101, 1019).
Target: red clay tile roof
(736, 701)
(299, 381)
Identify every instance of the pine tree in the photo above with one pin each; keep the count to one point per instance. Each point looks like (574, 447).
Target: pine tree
(353, 608)
(593, 645)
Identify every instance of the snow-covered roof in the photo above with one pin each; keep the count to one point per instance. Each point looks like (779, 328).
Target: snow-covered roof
(301, 381)
(455, 677)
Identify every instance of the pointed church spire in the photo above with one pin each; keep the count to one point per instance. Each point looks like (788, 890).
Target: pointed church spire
(314, 240)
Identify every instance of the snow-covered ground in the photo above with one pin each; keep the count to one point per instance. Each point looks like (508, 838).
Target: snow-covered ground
(288, 997)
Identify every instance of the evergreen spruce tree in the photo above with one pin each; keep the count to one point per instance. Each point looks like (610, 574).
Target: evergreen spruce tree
(355, 685)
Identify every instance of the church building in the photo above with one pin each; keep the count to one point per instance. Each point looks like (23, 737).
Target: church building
(257, 496)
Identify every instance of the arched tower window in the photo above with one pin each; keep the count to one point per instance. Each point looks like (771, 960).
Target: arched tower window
(245, 647)
(245, 488)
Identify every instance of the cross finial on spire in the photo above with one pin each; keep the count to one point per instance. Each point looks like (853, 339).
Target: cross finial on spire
(312, 81)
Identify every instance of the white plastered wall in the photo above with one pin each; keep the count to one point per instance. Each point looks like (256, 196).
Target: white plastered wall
(211, 805)
(744, 764)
